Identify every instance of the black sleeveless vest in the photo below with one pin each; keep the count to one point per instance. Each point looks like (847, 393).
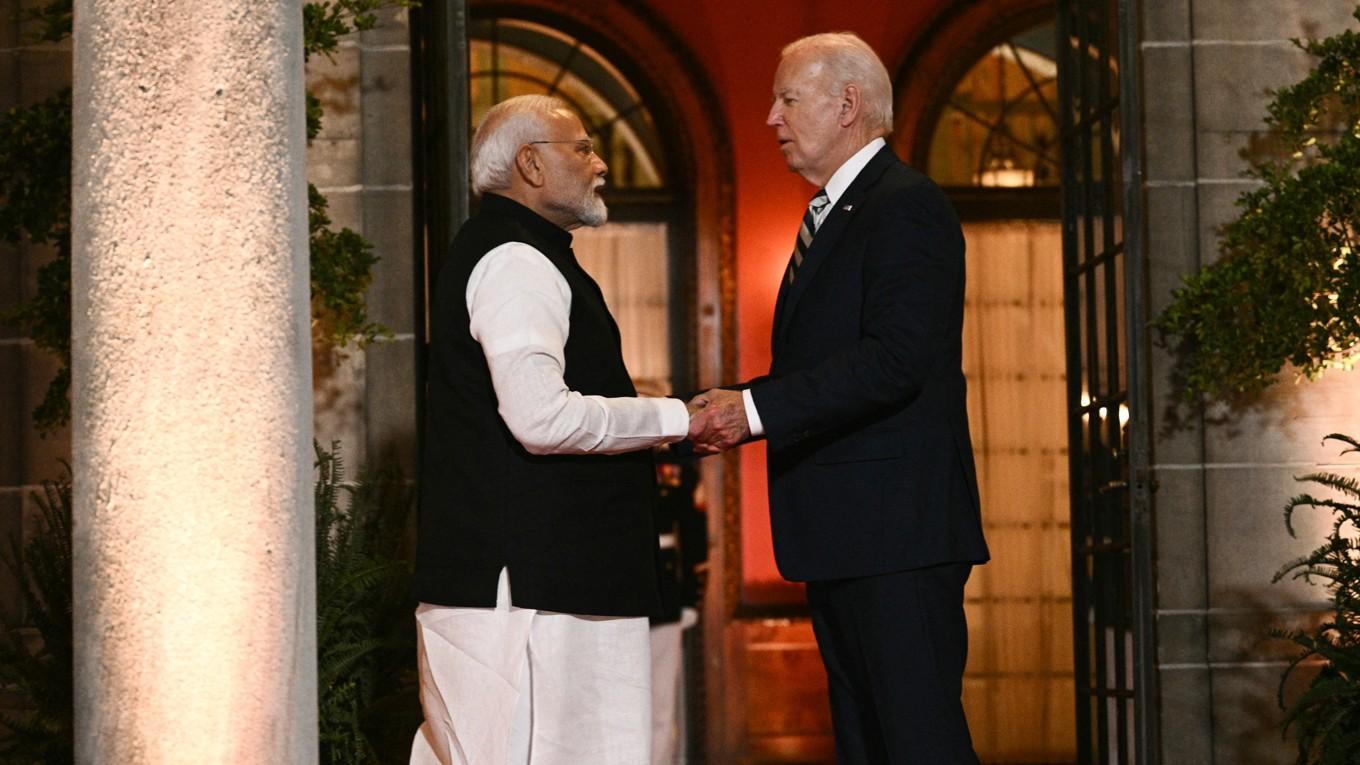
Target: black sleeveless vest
(575, 531)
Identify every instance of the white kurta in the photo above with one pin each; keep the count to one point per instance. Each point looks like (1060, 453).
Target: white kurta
(516, 686)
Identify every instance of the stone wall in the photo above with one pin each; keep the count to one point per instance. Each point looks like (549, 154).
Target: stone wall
(362, 162)
(29, 72)
(1222, 479)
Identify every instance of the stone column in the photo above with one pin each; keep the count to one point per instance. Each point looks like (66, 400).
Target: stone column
(194, 571)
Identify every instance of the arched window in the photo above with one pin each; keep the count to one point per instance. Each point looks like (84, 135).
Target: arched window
(636, 256)
(999, 126)
(513, 57)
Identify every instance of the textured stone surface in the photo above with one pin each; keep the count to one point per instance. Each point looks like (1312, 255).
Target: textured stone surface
(1246, 717)
(194, 594)
(388, 225)
(1243, 20)
(1167, 20)
(1233, 82)
(13, 417)
(1248, 541)
(41, 454)
(1186, 708)
(387, 117)
(1180, 539)
(1168, 113)
(390, 405)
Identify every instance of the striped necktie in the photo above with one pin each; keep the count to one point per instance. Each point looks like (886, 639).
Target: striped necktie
(805, 233)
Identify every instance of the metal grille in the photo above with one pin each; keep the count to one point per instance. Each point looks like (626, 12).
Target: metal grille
(1107, 411)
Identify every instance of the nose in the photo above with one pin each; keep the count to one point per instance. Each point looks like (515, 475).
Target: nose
(597, 162)
(775, 118)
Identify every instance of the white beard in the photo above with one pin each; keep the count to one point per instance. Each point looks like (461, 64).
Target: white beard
(591, 210)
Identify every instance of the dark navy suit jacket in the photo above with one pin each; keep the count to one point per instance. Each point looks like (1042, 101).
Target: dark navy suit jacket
(870, 462)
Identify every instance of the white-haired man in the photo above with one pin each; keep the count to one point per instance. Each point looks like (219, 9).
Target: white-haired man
(873, 495)
(535, 567)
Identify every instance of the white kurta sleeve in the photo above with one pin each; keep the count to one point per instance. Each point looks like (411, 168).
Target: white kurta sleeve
(520, 307)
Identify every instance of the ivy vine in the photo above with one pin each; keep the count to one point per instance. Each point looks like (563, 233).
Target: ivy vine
(35, 207)
(1286, 287)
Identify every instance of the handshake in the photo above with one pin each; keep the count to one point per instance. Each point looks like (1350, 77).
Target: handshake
(717, 421)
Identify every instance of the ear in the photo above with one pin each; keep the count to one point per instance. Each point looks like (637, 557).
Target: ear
(850, 105)
(529, 165)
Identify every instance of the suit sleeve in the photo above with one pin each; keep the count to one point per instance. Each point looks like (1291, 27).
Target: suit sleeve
(912, 303)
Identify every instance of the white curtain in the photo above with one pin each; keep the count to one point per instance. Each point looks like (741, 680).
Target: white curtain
(629, 261)
(1018, 689)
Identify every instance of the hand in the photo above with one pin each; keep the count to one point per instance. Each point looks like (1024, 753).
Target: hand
(717, 421)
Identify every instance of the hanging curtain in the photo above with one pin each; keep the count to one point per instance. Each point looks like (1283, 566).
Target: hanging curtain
(1018, 689)
(629, 262)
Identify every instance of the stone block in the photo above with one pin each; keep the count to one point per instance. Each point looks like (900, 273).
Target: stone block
(1172, 253)
(387, 117)
(1182, 638)
(1247, 541)
(9, 25)
(1287, 423)
(1233, 82)
(9, 76)
(42, 455)
(1217, 207)
(11, 286)
(42, 72)
(14, 417)
(1226, 155)
(393, 29)
(1179, 506)
(388, 225)
(335, 81)
(1240, 636)
(1246, 717)
(1247, 20)
(390, 406)
(1186, 716)
(346, 210)
(1168, 114)
(1166, 21)
(333, 162)
(338, 401)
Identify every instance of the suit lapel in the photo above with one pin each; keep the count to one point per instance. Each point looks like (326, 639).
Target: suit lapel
(825, 240)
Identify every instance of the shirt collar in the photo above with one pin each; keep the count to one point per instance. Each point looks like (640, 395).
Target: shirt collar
(545, 228)
(846, 173)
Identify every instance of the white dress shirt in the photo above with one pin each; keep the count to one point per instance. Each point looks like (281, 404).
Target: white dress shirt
(835, 188)
(520, 306)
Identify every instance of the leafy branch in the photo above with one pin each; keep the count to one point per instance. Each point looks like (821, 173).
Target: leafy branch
(35, 207)
(1286, 288)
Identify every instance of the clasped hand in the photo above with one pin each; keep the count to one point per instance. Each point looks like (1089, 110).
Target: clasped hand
(717, 421)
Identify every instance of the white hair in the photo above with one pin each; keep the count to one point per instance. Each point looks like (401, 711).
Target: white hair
(506, 127)
(848, 60)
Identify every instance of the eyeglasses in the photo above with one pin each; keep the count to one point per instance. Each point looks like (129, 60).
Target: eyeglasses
(584, 146)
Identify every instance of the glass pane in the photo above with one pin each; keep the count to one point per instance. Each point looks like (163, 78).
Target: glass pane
(511, 58)
(999, 127)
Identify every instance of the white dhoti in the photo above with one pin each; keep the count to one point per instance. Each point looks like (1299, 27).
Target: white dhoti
(515, 686)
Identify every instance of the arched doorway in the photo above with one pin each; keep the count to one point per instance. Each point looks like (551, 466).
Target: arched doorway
(987, 131)
(666, 255)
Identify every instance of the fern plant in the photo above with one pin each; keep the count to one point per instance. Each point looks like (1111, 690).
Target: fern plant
(35, 646)
(1325, 719)
(359, 581)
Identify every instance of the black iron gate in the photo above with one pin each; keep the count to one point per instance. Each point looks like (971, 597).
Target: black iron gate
(1107, 410)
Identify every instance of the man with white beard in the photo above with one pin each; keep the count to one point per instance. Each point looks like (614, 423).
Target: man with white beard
(535, 568)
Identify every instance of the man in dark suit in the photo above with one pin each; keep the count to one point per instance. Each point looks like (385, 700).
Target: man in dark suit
(873, 495)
